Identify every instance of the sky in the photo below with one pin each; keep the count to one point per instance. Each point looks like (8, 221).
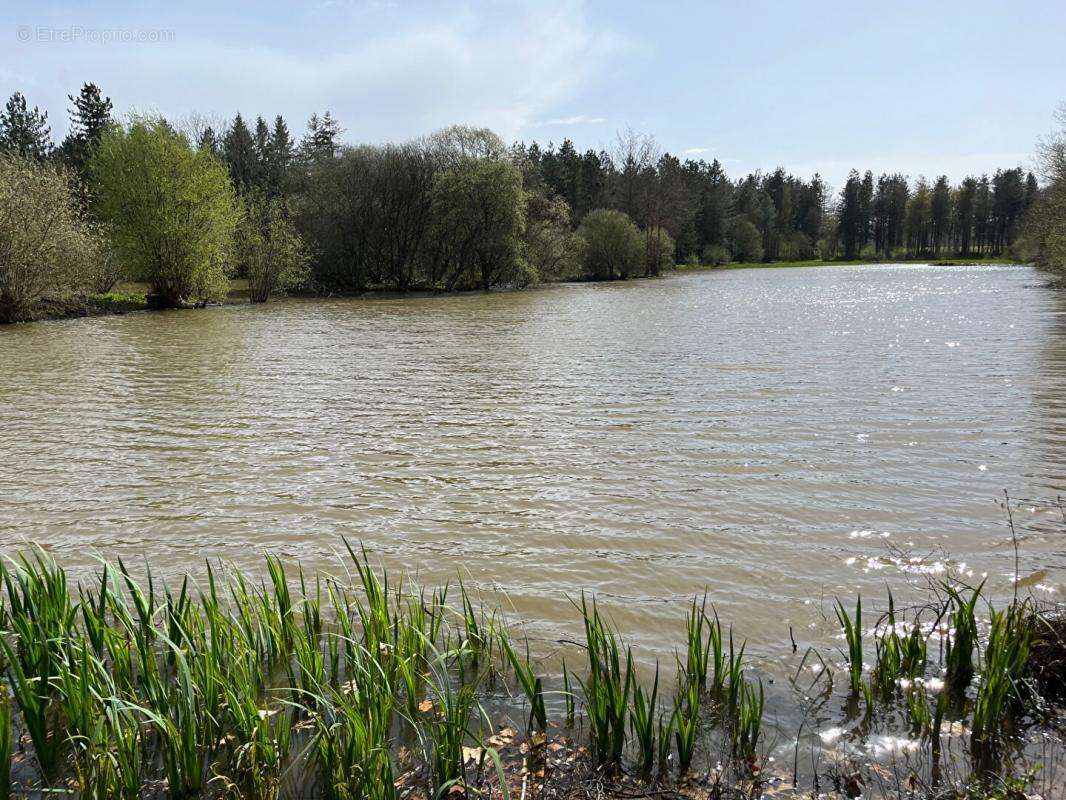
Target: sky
(916, 87)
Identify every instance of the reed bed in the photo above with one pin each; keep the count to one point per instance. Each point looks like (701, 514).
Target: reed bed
(362, 686)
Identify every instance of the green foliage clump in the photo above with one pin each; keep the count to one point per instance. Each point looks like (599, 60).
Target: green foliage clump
(479, 217)
(746, 241)
(49, 251)
(171, 210)
(612, 245)
(269, 250)
(715, 255)
(659, 251)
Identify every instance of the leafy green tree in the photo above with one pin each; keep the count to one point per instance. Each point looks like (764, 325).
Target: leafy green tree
(24, 131)
(479, 216)
(48, 251)
(613, 247)
(549, 245)
(171, 210)
(269, 249)
(89, 118)
(335, 215)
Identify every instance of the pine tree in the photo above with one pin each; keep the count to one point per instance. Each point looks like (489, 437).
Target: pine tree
(89, 118)
(279, 156)
(851, 215)
(261, 147)
(940, 214)
(1032, 190)
(238, 150)
(25, 131)
(320, 141)
(210, 142)
(965, 198)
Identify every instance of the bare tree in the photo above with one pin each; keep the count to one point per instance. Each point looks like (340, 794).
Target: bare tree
(452, 145)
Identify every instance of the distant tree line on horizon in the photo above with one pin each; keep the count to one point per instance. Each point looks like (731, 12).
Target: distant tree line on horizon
(184, 207)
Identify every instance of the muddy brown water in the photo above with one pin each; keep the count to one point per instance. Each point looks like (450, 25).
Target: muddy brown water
(776, 436)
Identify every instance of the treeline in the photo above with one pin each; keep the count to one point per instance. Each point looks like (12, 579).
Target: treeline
(184, 207)
(779, 217)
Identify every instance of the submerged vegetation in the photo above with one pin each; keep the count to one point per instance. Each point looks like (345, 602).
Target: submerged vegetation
(181, 207)
(360, 685)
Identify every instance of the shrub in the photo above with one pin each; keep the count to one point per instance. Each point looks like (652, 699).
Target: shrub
(715, 255)
(746, 241)
(613, 246)
(658, 251)
(269, 250)
(48, 251)
(171, 210)
(799, 247)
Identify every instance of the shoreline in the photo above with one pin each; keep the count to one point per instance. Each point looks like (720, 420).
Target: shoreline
(127, 298)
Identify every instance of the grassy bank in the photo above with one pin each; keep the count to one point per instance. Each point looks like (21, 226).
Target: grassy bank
(942, 262)
(358, 684)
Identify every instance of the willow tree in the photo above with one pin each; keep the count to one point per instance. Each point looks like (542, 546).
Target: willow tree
(479, 217)
(170, 209)
(612, 245)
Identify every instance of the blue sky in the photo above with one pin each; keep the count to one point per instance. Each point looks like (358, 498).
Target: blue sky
(918, 87)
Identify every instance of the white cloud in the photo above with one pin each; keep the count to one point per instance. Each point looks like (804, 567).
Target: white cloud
(579, 119)
(695, 151)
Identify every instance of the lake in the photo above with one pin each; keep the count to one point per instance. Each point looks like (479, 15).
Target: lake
(776, 436)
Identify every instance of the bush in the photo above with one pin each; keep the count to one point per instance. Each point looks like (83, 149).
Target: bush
(613, 246)
(799, 247)
(658, 251)
(171, 210)
(270, 252)
(715, 255)
(48, 252)
(746, 241)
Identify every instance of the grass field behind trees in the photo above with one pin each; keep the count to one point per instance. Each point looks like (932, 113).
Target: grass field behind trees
(183, 207)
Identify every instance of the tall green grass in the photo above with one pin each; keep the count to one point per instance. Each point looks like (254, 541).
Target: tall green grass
(607, 687)
(251, 687)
